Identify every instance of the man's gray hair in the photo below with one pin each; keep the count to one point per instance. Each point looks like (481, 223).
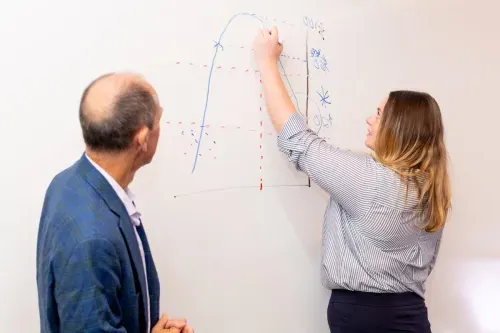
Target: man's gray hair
(133, 108)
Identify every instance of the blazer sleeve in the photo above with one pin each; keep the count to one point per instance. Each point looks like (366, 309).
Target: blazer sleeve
(87, 289)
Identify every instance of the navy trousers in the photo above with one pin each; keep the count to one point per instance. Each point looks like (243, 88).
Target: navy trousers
(360, 312)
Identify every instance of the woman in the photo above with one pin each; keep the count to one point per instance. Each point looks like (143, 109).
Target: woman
(386, 212)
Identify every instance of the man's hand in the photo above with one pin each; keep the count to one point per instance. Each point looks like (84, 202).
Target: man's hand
(179, 324)
(166, 325)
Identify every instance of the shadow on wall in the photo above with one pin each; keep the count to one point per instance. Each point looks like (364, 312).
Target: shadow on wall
(463, 294)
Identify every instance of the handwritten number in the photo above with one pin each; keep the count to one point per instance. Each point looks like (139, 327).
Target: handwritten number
(314, 25)
(319, 60)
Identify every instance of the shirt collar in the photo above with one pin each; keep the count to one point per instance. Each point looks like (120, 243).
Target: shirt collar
(126, 196)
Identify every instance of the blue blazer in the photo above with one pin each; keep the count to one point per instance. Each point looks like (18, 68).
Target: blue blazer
(90, 275)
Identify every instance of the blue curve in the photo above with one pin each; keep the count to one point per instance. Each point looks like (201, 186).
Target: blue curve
(217, 46)
(291, 89)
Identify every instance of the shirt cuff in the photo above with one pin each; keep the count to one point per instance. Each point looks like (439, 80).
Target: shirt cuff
(295, 137)
(294, 125)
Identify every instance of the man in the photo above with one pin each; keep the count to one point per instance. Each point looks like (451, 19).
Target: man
(95, 271)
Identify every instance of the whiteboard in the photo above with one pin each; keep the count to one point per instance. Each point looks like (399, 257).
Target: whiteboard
(234, 255)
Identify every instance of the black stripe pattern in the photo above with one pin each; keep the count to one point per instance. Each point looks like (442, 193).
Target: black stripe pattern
(372, 239)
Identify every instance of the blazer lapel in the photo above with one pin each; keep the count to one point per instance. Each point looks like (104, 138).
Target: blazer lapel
(101, 185)
(153, 281)
(131, 239)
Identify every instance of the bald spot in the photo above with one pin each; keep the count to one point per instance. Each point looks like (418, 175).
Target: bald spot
(104, 92)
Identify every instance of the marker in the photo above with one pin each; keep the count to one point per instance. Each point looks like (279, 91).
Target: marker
(280, 40)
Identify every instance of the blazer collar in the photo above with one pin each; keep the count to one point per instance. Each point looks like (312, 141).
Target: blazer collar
(101, 185)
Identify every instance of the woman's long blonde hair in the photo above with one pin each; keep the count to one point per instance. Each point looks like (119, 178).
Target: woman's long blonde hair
(410, 141)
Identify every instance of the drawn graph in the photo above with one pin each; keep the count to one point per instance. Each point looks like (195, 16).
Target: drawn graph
(267, 167)
(217, 46)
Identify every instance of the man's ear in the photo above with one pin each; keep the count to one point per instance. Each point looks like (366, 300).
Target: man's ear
(142, 138)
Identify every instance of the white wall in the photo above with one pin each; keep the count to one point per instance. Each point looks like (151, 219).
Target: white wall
(246, 258)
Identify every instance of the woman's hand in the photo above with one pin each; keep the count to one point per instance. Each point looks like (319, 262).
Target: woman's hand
(267, 51)
(267, 48)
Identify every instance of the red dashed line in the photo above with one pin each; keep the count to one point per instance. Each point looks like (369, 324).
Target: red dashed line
(234, 67)
(239, 128)
(261, 128)
(261, 125)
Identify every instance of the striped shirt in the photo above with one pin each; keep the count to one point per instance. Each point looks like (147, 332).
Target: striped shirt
(372, 240)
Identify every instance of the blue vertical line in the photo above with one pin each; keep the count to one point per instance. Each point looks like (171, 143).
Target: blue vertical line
(217, 45)
(291, 89)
